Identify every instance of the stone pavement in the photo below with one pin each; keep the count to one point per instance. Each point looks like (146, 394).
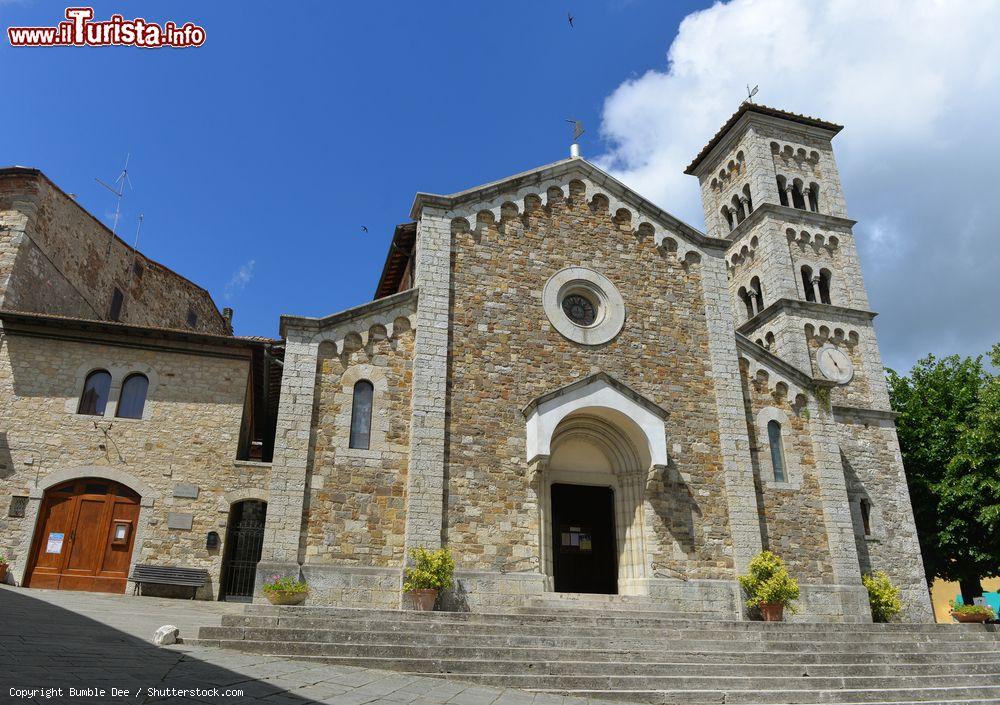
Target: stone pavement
(51, 639)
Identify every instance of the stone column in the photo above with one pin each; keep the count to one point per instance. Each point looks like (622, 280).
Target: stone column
(733, 439)
(425, 481)
(291, 464)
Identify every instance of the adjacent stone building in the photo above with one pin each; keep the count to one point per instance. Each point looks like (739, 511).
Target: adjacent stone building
(568, 387)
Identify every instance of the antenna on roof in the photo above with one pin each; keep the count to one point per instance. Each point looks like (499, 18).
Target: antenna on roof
(751, 92)
(119, 192)
(574, 150)
(135, 249)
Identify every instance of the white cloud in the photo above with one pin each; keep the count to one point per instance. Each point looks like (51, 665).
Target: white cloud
(238, 282)
(917, 85)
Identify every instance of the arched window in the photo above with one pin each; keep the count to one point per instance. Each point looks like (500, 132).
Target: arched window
(737, 208)
(746, 195)
(728, 217)
(133, 397)
(798, 201)
(782, 192)
(747, 303)
(94, 399)
(807, 283)
(758, 293)
(777, 452)
(824, 286)
(866, 516)
(814, 197)
(361, 414)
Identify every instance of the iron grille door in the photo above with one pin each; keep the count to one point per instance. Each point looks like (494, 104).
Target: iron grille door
(244, 541)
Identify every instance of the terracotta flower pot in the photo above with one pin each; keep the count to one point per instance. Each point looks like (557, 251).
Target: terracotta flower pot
(772, 612)
(424, 600)
(276, 597)
(979, 617)
(3, 572)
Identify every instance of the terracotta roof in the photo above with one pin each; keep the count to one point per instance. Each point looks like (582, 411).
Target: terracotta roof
(396, 259)
(762, 110)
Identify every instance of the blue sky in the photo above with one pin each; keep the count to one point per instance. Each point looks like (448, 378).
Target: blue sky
(283, 135)
(258, 157)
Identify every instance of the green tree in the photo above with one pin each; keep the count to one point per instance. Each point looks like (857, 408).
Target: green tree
(949, 434)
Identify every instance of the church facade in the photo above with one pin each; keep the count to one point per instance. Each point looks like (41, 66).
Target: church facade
(571, 389)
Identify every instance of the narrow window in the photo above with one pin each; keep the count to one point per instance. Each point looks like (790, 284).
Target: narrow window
(727, 214)
(782, 193)
(814, 198)
(747, 303)
(192, 318)
(777, 453)
(115, 310)
(94, 399)
(757, 292)
(133, 397)
(866, 516)
(746, 194)
(807, 284)
(361, 415)
(824, 286)
(797, 200)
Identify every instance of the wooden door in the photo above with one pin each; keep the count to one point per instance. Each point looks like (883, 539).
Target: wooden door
(84, 537)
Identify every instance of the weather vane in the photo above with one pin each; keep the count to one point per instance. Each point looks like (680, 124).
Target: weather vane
(751, 92)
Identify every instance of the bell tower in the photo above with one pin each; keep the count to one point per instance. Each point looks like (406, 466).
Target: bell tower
(770, 186)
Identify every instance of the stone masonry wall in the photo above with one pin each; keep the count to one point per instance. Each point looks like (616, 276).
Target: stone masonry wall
(189, 435)
(357, 503)
(57, 258)
(791, 513)
(504, 353)
(873, 470)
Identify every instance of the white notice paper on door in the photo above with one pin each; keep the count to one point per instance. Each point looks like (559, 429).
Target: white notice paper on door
(54, 544)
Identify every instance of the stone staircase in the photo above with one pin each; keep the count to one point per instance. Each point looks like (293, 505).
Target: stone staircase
(628, 650)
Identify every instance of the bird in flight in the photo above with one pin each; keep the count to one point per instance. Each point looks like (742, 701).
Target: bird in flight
(364, 229)
(570, 18)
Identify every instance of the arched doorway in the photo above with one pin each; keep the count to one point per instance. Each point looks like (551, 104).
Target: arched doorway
(594, 486)
(84, 536)
(244, 541)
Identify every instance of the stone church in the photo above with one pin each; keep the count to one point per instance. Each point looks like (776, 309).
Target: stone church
(570, 388)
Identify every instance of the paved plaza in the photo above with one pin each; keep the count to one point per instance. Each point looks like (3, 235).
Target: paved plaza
(57, 639)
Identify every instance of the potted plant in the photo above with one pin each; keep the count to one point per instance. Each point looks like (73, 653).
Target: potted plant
(285, 591)
(430, 573)
(768, 586)
(883, 596)
(3, 568)
(971, 613)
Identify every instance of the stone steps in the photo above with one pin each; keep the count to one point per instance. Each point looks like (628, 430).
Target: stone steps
(509, 639)
(626, 650)
(702, 631)
(325, 650)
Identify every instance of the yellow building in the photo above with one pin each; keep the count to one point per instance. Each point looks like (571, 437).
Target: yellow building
(943, 591)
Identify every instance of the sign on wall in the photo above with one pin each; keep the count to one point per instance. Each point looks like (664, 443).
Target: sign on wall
(55, 542)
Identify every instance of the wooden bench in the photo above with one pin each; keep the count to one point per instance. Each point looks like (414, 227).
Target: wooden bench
(193, 578)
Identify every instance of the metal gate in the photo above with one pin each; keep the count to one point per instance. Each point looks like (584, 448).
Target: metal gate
(244, 540)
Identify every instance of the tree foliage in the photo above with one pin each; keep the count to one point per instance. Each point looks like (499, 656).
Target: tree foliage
(949, 434)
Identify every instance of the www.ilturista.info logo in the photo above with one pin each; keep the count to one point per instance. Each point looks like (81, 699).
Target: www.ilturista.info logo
(80, 30)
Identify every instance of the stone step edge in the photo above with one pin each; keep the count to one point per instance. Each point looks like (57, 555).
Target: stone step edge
(419, 634)
(549, 649)
(717, 696)
(411, 626)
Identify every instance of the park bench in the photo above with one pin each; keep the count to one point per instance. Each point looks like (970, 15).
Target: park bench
(193, 578)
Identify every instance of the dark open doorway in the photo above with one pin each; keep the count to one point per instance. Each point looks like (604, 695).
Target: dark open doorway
(583, 538)
(244, 541)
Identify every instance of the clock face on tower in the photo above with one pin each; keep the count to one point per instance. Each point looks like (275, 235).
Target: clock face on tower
(834, 364)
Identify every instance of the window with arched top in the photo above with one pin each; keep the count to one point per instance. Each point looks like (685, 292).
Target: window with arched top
(824, 286)
(749, 199)
(798, 200)
(807, 283)
(727, 215)
(782, 192)
(777, 451)
(132, 400)
(814, 197)
(94, 399)
(758, 292)
(747, 302)
(361, 414)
